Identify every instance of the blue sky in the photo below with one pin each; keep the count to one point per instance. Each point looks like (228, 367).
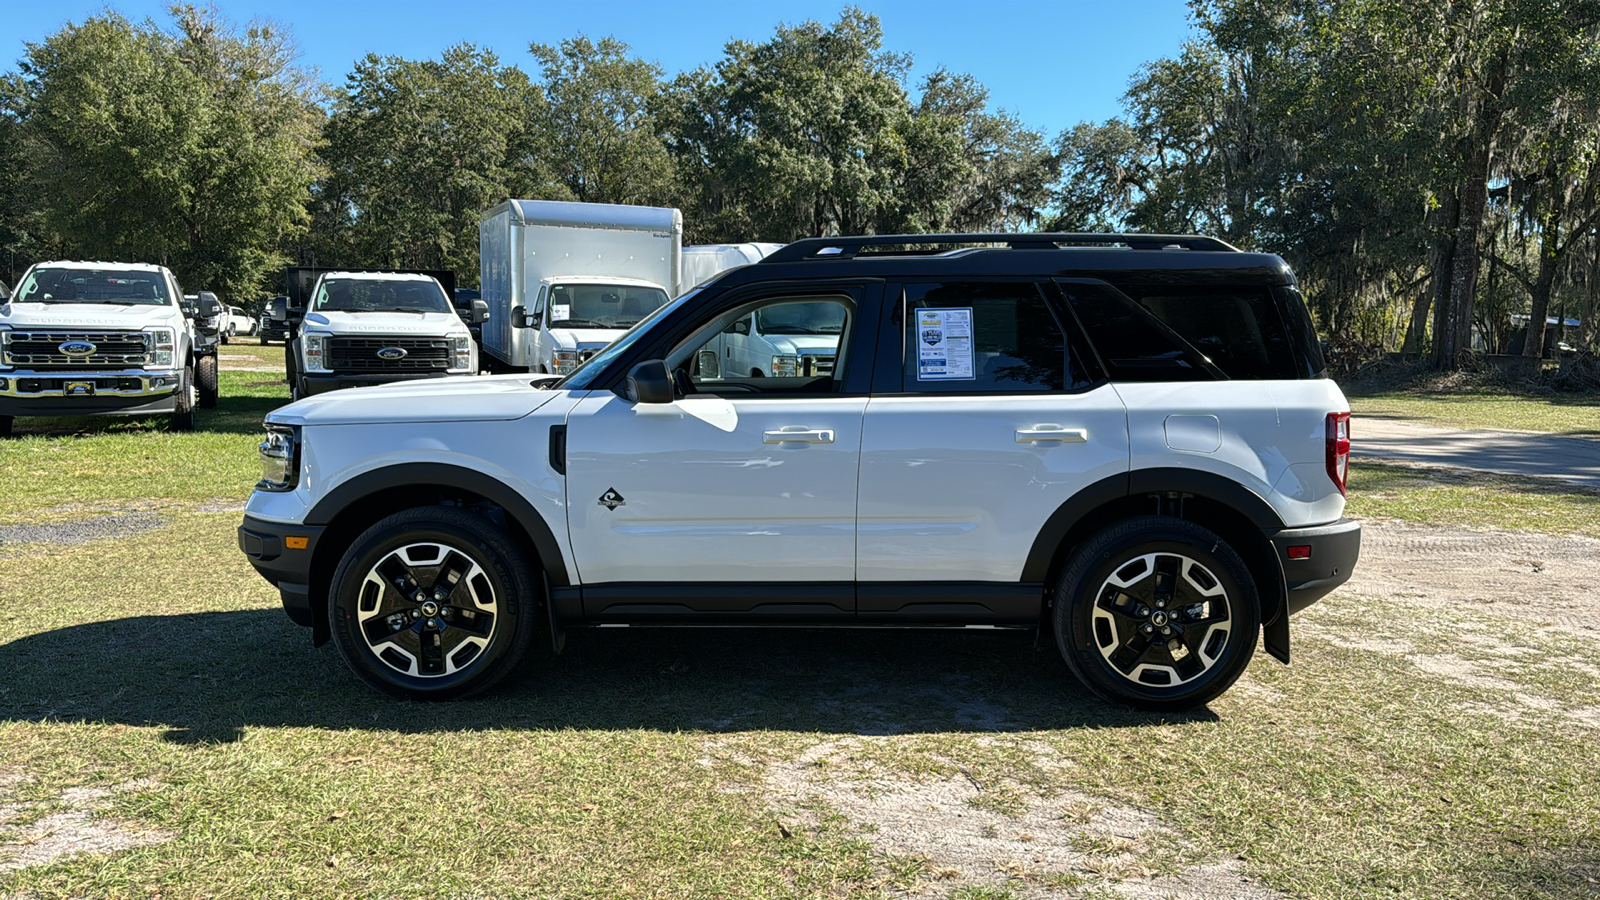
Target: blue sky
(1053, 64)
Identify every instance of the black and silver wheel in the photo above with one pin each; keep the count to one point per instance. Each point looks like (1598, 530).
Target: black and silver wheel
(183, 402)
(206, 378)
(1156, 612)
(433, 603)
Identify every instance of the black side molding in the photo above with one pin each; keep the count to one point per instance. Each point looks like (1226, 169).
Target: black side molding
(558, 448)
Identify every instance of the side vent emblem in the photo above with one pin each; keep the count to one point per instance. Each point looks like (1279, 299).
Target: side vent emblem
(611, 499)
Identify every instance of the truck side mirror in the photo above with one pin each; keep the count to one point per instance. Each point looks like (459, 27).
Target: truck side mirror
(740, 327)
(521, 318)
(649, 382)
(209, 306)
(480, 312)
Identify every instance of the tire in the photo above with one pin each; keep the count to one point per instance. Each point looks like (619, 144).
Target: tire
(290, 372)
(263, 340)
(5, 425)
(1112, 603)
(227, 335)
(206, 378)
(183, 402)
(385, 636)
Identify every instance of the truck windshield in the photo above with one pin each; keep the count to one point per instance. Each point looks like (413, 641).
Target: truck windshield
(602, 305)
(801, 318)
(113, 287)
(380, 295)
(581, 377)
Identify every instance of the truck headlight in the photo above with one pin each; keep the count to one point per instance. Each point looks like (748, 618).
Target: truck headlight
(784, 366)
(566, 361)
(5, 345)
(280, 459)
(161, 342)
(461, 354)
(315, 347)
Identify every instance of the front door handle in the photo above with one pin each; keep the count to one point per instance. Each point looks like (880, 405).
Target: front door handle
(798, 434)
(1052, 433)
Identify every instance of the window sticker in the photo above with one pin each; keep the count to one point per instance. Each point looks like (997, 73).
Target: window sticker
(944, 345)
(560, 312)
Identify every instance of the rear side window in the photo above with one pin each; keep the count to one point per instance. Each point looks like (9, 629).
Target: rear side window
(1238, 328)
(1133, 343)
(986, 337)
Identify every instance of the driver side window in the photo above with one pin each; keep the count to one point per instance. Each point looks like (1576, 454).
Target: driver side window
(777, 345)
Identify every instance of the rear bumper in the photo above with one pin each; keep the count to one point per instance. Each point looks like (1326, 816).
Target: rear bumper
(280, 561)
(1333, 552)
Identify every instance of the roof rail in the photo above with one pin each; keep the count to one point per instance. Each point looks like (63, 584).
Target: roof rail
(849, 247)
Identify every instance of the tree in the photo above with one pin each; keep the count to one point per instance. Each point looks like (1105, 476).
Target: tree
(597, 130)
(416, 151)
(190, 148)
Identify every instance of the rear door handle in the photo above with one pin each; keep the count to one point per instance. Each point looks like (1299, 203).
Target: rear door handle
(1052, 433)
(798, 434)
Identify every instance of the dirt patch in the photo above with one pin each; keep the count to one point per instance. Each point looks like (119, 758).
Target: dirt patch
(1542, 579)
(82, 531)
(975, 831)
(77, 829)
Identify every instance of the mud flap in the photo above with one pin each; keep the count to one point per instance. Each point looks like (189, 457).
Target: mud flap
(1275, 637)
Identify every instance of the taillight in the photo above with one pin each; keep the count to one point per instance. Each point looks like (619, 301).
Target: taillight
(1339, 449)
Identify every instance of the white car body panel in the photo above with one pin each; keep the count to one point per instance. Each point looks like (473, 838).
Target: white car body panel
(706, 496)
(431, 324)
(949, 493)
(457, 398)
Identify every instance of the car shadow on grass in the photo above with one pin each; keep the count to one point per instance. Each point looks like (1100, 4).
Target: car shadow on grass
(232, 415)
(206, 677)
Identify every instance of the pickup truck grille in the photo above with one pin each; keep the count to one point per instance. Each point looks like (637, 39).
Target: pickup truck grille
(42, 349)
(817, 363)
(360, 354)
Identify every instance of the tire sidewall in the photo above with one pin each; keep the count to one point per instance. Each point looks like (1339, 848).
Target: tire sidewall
(1113, 548)
(512, 584)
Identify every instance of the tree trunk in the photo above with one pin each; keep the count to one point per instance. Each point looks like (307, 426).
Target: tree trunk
(1533, 345)
(1453, 343)
(1440, 263)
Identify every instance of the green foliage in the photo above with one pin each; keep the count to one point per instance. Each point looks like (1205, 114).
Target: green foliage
(190, 147)
(416, 151)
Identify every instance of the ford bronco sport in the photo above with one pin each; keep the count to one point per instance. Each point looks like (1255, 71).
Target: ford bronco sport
(1128, 441)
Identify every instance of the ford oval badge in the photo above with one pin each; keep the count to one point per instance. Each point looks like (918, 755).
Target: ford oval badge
(77, 348)
(392, 353)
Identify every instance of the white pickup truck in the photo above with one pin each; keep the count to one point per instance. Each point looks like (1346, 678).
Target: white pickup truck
(97, 338)
(367, 328)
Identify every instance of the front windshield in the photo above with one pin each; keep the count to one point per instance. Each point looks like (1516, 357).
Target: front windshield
(113, 287)
(602, 305)
(801, 318)
(380, 295)
(580, 377)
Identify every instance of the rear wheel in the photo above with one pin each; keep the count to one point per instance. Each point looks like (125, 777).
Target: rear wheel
(206, 373)
(227, 334)
(1157, 613)
(183, 402)
(433, 603)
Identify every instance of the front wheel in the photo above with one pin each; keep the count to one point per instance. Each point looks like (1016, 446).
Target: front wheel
(1157, 613)
(433, 603)
(183, 401)
(227, 334)
(5, 425)
(206, 373)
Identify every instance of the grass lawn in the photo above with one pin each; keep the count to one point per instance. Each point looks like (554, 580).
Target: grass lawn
(1556, 413)
(151, 688)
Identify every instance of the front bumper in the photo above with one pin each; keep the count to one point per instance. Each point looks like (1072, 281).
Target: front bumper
(282, 554)
(1332, 555)
(55, 392)
(322, 382)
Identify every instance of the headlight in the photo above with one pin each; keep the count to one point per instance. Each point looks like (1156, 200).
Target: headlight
(461, 354)
(5, 345)
(566, 361)
(784, 366)
(161, 342)
(314, 346)
(280, 459)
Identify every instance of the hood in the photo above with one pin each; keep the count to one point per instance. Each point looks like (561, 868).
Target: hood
(805, 341)
(583, 338)
(87, 315)
(431, 324)
(461, 398)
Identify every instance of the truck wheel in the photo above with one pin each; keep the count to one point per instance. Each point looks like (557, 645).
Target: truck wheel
(206, 373)
(433, 603)
(5, 425)
(289, 371)
(1157, 613)
(263, 340)
(183, 402)
(227, 334)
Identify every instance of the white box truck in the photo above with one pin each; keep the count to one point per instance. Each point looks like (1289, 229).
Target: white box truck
(703, 262)
(563, 280)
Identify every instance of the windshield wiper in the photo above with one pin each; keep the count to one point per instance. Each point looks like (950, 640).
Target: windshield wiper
(576, 323)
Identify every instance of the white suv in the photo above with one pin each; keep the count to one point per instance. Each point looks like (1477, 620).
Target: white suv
(1127, 440)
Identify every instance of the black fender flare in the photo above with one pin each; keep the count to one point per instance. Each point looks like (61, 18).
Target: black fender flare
(486, 486)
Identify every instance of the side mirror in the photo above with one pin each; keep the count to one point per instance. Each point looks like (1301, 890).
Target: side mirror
(650, 382)
(480, 312)
(209, 306)
(740, 327)
(521, 318)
